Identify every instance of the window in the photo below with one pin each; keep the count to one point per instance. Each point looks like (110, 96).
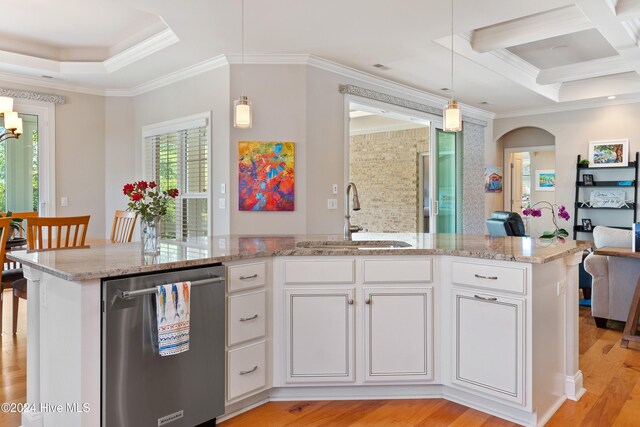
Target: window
(177, 156)
(19, 186)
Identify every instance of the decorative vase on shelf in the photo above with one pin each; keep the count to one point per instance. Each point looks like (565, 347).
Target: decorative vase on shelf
(150, 236)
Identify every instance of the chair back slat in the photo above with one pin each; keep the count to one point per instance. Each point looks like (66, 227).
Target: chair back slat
(123, 224)
(64, 228)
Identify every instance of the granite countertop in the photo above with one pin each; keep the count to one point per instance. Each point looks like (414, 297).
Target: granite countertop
(110, 260)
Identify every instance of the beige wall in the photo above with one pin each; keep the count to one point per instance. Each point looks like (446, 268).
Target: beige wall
(80, 164)
(572, 131)
(544, 160)
(384, 166)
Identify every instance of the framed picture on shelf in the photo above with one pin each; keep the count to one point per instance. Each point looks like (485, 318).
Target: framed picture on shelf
(546, 180)
(586, 224)
(587, 178)
(609, 154)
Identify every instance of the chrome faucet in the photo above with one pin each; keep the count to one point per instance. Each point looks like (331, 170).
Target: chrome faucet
(348, 228)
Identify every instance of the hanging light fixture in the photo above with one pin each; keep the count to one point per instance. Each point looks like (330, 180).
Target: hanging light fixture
(242, 106)
(451, 114)
(12, 123)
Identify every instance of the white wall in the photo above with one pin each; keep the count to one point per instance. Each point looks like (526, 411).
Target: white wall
(544, 160)
(573, 130)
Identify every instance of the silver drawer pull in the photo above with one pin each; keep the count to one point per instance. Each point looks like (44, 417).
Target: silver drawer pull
(486, 299)
(246, 319)
(486, 277)
(250, 371)
(253, 276)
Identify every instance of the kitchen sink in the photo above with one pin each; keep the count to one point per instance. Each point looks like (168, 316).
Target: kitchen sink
(353, 244)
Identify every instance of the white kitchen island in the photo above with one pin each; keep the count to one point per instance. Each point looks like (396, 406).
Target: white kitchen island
(491, 323)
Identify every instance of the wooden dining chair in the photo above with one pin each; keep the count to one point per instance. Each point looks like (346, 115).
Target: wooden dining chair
(57, 232)
(4, 229)
(123, 224)
(49, 233)
(8, 274)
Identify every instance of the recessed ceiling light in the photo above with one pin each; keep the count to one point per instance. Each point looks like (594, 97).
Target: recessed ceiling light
(47, 77)
(559, 46)
(445, 89)
(484, 103)
(381, 67)
(611, 97)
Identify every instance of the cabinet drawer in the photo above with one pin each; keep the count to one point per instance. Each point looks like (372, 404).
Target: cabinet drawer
(391, 270)
(489, 276)
(245, 317)
(246, 370)
(246, 276)
(334, 271)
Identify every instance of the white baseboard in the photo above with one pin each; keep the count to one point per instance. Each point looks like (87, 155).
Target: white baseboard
(31, 419)
(573, 387)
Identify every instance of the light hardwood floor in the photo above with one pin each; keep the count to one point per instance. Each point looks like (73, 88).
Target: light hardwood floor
(612, 379)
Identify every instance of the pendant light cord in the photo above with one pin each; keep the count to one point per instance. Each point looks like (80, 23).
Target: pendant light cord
(242, 30)
(451, 93)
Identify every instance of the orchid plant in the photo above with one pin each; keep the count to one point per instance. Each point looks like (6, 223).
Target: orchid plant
(562, 213)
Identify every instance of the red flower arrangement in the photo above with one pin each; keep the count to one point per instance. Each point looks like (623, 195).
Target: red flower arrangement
(147, 200)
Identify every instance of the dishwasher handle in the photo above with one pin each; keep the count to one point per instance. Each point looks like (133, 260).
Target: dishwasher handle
(153, 290)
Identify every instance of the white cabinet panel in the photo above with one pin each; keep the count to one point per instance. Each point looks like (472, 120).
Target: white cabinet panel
(246, 370)
(398, 334)
(245, 317)
(329, 271)
(397, 270)
(320, 342)
(489, 344)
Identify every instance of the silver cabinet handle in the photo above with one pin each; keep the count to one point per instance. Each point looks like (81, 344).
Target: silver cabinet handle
(250, 371)
(253, 276)
(486, 277)
(486, 299)
(246, 319)
(350, 302)
(367, 301)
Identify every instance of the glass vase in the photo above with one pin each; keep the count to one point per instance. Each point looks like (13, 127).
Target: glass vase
(150, 236)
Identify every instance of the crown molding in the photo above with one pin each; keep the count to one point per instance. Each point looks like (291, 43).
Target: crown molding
(185, 73)
(267, 59)
(42, 82)
(147, 47)
(32, 96)
(568, 107)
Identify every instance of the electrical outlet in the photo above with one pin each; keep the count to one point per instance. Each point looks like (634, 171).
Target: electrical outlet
(561, 287)
(222, 203)
(332, 203)
(335, 189)
(223, 188)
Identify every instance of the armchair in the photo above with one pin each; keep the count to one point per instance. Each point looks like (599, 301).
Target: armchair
(504, 223)
(614, 278)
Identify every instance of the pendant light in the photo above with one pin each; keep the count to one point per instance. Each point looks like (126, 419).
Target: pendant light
(451, 114)
(242, 106)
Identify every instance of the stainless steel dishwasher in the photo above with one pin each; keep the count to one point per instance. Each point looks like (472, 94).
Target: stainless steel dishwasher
(140, 387)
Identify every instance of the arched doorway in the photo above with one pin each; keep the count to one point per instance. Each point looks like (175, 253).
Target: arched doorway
(529, 173)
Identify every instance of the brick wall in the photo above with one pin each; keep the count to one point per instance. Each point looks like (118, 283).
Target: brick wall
(384, 167)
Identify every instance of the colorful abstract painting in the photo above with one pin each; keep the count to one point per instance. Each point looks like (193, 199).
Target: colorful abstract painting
(266, 176)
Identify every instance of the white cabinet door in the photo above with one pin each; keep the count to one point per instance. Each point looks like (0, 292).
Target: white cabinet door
(398, 336)
(489, 344)
(319, 339)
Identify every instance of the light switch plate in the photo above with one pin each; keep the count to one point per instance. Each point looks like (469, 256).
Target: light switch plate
(335, 189)
(64, 201)
(332, 203)
(222, 203)
(223, 188)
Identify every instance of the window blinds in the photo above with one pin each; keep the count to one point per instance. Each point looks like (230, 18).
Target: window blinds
(179, 159)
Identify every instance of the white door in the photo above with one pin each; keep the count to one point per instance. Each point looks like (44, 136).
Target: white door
(489, 344)
(319, 340)
(398, 334)
(516, 182)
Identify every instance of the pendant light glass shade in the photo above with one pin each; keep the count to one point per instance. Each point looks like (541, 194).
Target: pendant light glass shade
(242, 113)
(452, 117)
(6, 104)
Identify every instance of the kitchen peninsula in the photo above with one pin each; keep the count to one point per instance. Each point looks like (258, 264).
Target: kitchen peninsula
(491, 323)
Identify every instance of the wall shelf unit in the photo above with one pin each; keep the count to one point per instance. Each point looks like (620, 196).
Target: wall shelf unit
(618, 177)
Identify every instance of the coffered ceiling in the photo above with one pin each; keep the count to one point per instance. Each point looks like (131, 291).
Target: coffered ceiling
(511, 56)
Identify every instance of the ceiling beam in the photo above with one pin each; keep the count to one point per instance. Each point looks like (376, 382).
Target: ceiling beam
(623, 38)
(557, 22)
(584, 70)
(627, 9)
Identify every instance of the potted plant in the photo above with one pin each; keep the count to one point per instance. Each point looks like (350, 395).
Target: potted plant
(559, 233)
